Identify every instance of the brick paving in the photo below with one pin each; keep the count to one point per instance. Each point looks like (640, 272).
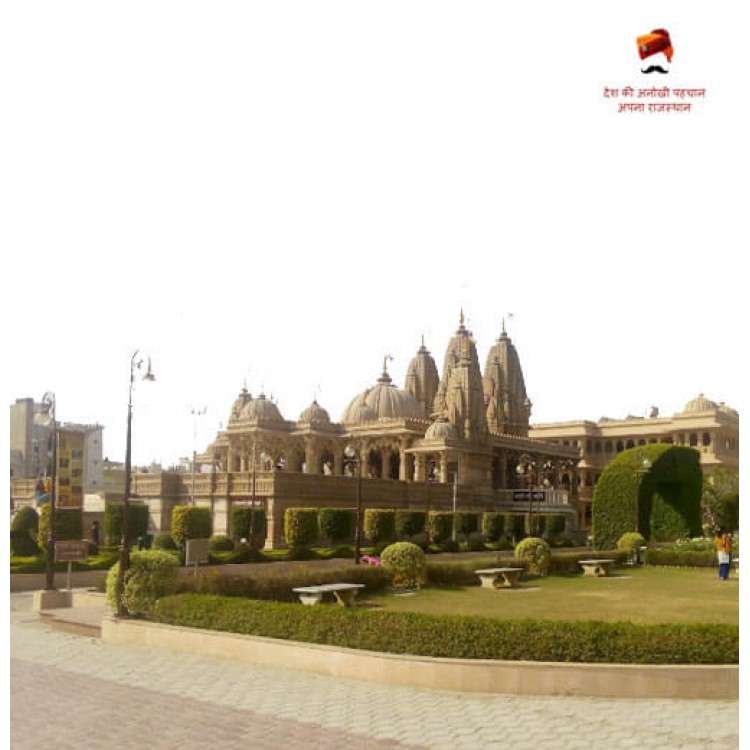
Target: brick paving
(143, 697)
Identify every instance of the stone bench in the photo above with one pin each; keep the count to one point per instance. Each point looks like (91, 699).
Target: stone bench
(596, 567)
(344, 593)
(499, 578)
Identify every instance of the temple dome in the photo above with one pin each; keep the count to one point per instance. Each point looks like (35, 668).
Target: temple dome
(699, 404)
(315, 414)
(239, 404)
(441, 429)
(262, 409)
(383, 401)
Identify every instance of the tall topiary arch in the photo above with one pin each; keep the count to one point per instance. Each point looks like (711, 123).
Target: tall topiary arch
(664, 494)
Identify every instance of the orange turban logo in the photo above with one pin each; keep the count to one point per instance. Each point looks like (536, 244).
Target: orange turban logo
(657, 41)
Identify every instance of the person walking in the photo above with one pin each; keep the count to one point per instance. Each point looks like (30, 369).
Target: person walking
(723, 542)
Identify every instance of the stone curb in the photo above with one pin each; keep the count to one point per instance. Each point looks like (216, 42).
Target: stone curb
(706, 682)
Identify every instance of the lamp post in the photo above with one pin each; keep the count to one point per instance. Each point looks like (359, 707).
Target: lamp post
(49, 583)
(124, 548)
(525, 468)
(645, 466)
(196, 413)
(352, 454)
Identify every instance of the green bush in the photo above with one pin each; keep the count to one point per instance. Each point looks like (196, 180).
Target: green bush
(152, 574)
(555, 525)
(241, 525)
(405, 561)
(410, 523)
(137, 522)
(536, 525)
(190, 522)
(301, 527)
(336, 525)
(515, 525)
(688, 559)
(164, 541)
(220, 543)
(466, 524)
(631, 542)
(493, 526)
(68, 525)
(302, 553)
(440, 526)
(24, 529)
(454, 636)
(277, 584)
(475, 543)
(534, 554)
(666, 496)
(380, 526)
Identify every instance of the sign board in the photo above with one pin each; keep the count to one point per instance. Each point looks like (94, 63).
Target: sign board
(196, 551)
(71, 551)
(70, 465)
(523, 495)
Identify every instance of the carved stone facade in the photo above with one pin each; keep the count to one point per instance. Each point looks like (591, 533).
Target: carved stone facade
(712, 429)
(462, 434)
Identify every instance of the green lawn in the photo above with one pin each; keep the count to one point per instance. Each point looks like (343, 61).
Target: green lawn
(643, 595)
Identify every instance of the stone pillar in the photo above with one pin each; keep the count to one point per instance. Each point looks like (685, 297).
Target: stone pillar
(402, 468)
(443, 470)
(222, 516)
(274, 526)
(338, 463)
(420, 464)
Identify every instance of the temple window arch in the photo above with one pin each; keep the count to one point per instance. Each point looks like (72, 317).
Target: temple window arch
(706, 438)
(693, 439)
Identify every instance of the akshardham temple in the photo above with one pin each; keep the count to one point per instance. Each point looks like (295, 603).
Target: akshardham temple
(451, 439)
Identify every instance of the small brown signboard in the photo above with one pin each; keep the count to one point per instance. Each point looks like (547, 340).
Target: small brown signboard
(71, 551)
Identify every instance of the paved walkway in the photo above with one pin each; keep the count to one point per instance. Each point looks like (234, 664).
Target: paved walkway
(73, 691)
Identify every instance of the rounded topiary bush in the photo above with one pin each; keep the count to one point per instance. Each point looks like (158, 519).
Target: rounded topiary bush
(220, 543)
(152, 574)
(405, 561)
(631, 542)
(23, 531)
(535, 555)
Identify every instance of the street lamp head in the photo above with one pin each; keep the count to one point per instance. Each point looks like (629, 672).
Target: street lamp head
(349, 452)
(149, 373)
(646, 464)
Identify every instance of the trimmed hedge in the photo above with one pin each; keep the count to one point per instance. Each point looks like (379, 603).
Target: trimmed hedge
(241, 525)
(459, 637)
(410, 523)
(137, 522)
(68, 525)
(667, 496)
(440, 526)
(276, 585)
(688, 559)
(466, 524)
(191, 522)
(380, 525)
(336, 524)
(493, 526)
(301, 527)
(220, 543)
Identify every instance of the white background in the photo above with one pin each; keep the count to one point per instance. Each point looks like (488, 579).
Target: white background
(279, 194)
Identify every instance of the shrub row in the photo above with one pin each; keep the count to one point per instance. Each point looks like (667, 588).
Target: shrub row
(674, 557)
(276, 585)
(457, 636)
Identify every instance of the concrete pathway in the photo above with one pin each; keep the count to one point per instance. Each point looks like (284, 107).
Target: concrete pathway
(73, 691)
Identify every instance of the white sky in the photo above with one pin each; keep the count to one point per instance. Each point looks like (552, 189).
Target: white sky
(282, 193)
